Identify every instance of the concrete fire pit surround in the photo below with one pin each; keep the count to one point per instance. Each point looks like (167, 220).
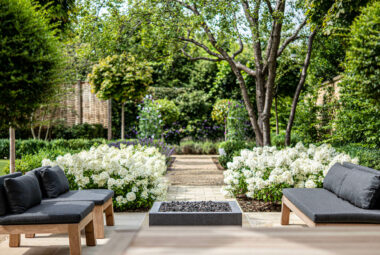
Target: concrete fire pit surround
(157, 218)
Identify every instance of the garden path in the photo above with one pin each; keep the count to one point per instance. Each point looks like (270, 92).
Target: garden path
(195, 177)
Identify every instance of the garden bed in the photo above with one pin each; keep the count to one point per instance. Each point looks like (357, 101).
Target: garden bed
(251, 205)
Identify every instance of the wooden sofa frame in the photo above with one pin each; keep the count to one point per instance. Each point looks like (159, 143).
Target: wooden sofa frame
(288, 206)
(107, 209)
(73, 231)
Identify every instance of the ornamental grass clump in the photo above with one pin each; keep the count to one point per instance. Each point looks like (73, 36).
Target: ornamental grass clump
(134, 173)
(262, 173)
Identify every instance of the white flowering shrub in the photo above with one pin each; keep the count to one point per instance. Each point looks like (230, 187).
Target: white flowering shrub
(134, 173)
(263, 172)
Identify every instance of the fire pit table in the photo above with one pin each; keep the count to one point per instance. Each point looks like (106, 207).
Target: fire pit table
(195, 213)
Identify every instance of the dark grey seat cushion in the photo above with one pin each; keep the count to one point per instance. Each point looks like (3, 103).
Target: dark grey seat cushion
(23, 192)
(323, 206)
(335, 177)
(54, 181)
(37, 173)
(50, 213)
(3, 195)
(98, 196)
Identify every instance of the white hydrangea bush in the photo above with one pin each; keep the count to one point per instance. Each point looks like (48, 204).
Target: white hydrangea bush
(134, 173)
(263, 172)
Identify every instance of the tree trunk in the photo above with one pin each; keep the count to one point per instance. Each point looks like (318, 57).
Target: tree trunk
(47, 131)
(33, 133)
(12, 150)
(299, 88)
(122, 121)
(276, 112)
(109, 131)
(79, 102)
(248, 104)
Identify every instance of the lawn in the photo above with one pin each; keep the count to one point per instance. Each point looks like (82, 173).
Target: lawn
(3, 164)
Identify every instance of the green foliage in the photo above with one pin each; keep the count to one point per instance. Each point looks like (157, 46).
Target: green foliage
(150, 122)
(220, 110)
(191, 147)
(30, 60)
(358, 118)
(31, 161)
(367, 157)
(33, 146)
(85, 131)
(237, 126)
(168, 110)
(120, 77)
(166, 93)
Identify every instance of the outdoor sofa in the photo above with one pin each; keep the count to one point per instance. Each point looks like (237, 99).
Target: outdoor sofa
(350, 196)
(22, 211)
(102, 198)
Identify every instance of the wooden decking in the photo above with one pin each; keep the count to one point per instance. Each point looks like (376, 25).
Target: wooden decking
(233, 240)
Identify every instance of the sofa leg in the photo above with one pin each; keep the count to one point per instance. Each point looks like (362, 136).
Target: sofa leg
(110, 218)
(98, 222)
(90, 234)
(30, 235)
(285, 214)
(14, 240)
(74, 239)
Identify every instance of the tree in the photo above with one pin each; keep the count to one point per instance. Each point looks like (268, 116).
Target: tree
(358, 117)
(217, 31)
(122, 78)
(29, 60)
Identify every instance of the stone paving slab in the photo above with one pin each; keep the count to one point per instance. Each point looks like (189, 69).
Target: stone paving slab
(194, 170)
(196, 193)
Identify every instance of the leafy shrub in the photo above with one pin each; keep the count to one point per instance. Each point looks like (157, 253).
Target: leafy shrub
(220, 110)
(33, 146)
(150, 122)
(279, 140)
(31, 161)
(169, 111)
(84, 131)
(367, 156)
(191, 147)
(237, 124)
(134, 173)
(263, 172)
(358, 118)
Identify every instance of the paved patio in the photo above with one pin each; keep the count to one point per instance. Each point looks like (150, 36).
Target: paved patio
(204, 170)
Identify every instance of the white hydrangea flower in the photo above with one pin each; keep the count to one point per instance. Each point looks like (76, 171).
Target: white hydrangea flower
(268, 167)
(136, 167)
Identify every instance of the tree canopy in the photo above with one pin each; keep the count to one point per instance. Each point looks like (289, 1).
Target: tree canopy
(30, 59)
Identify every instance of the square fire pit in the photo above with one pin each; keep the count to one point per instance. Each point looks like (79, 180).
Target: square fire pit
(195, 213)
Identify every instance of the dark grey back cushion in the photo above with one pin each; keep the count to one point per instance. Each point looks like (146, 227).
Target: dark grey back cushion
(361, 188)
(3, 195)
(363, 168)
(335, 177)
(37, 172)
(54, 181)
(23, 192)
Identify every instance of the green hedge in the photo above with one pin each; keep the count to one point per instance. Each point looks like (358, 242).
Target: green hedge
(191, 147)
(367, 156)
(33, 146)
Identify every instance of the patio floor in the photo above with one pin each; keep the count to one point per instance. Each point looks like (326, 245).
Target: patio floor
(183, 178)
(45, 244)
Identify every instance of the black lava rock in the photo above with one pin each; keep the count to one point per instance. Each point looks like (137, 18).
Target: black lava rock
(202, 206)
